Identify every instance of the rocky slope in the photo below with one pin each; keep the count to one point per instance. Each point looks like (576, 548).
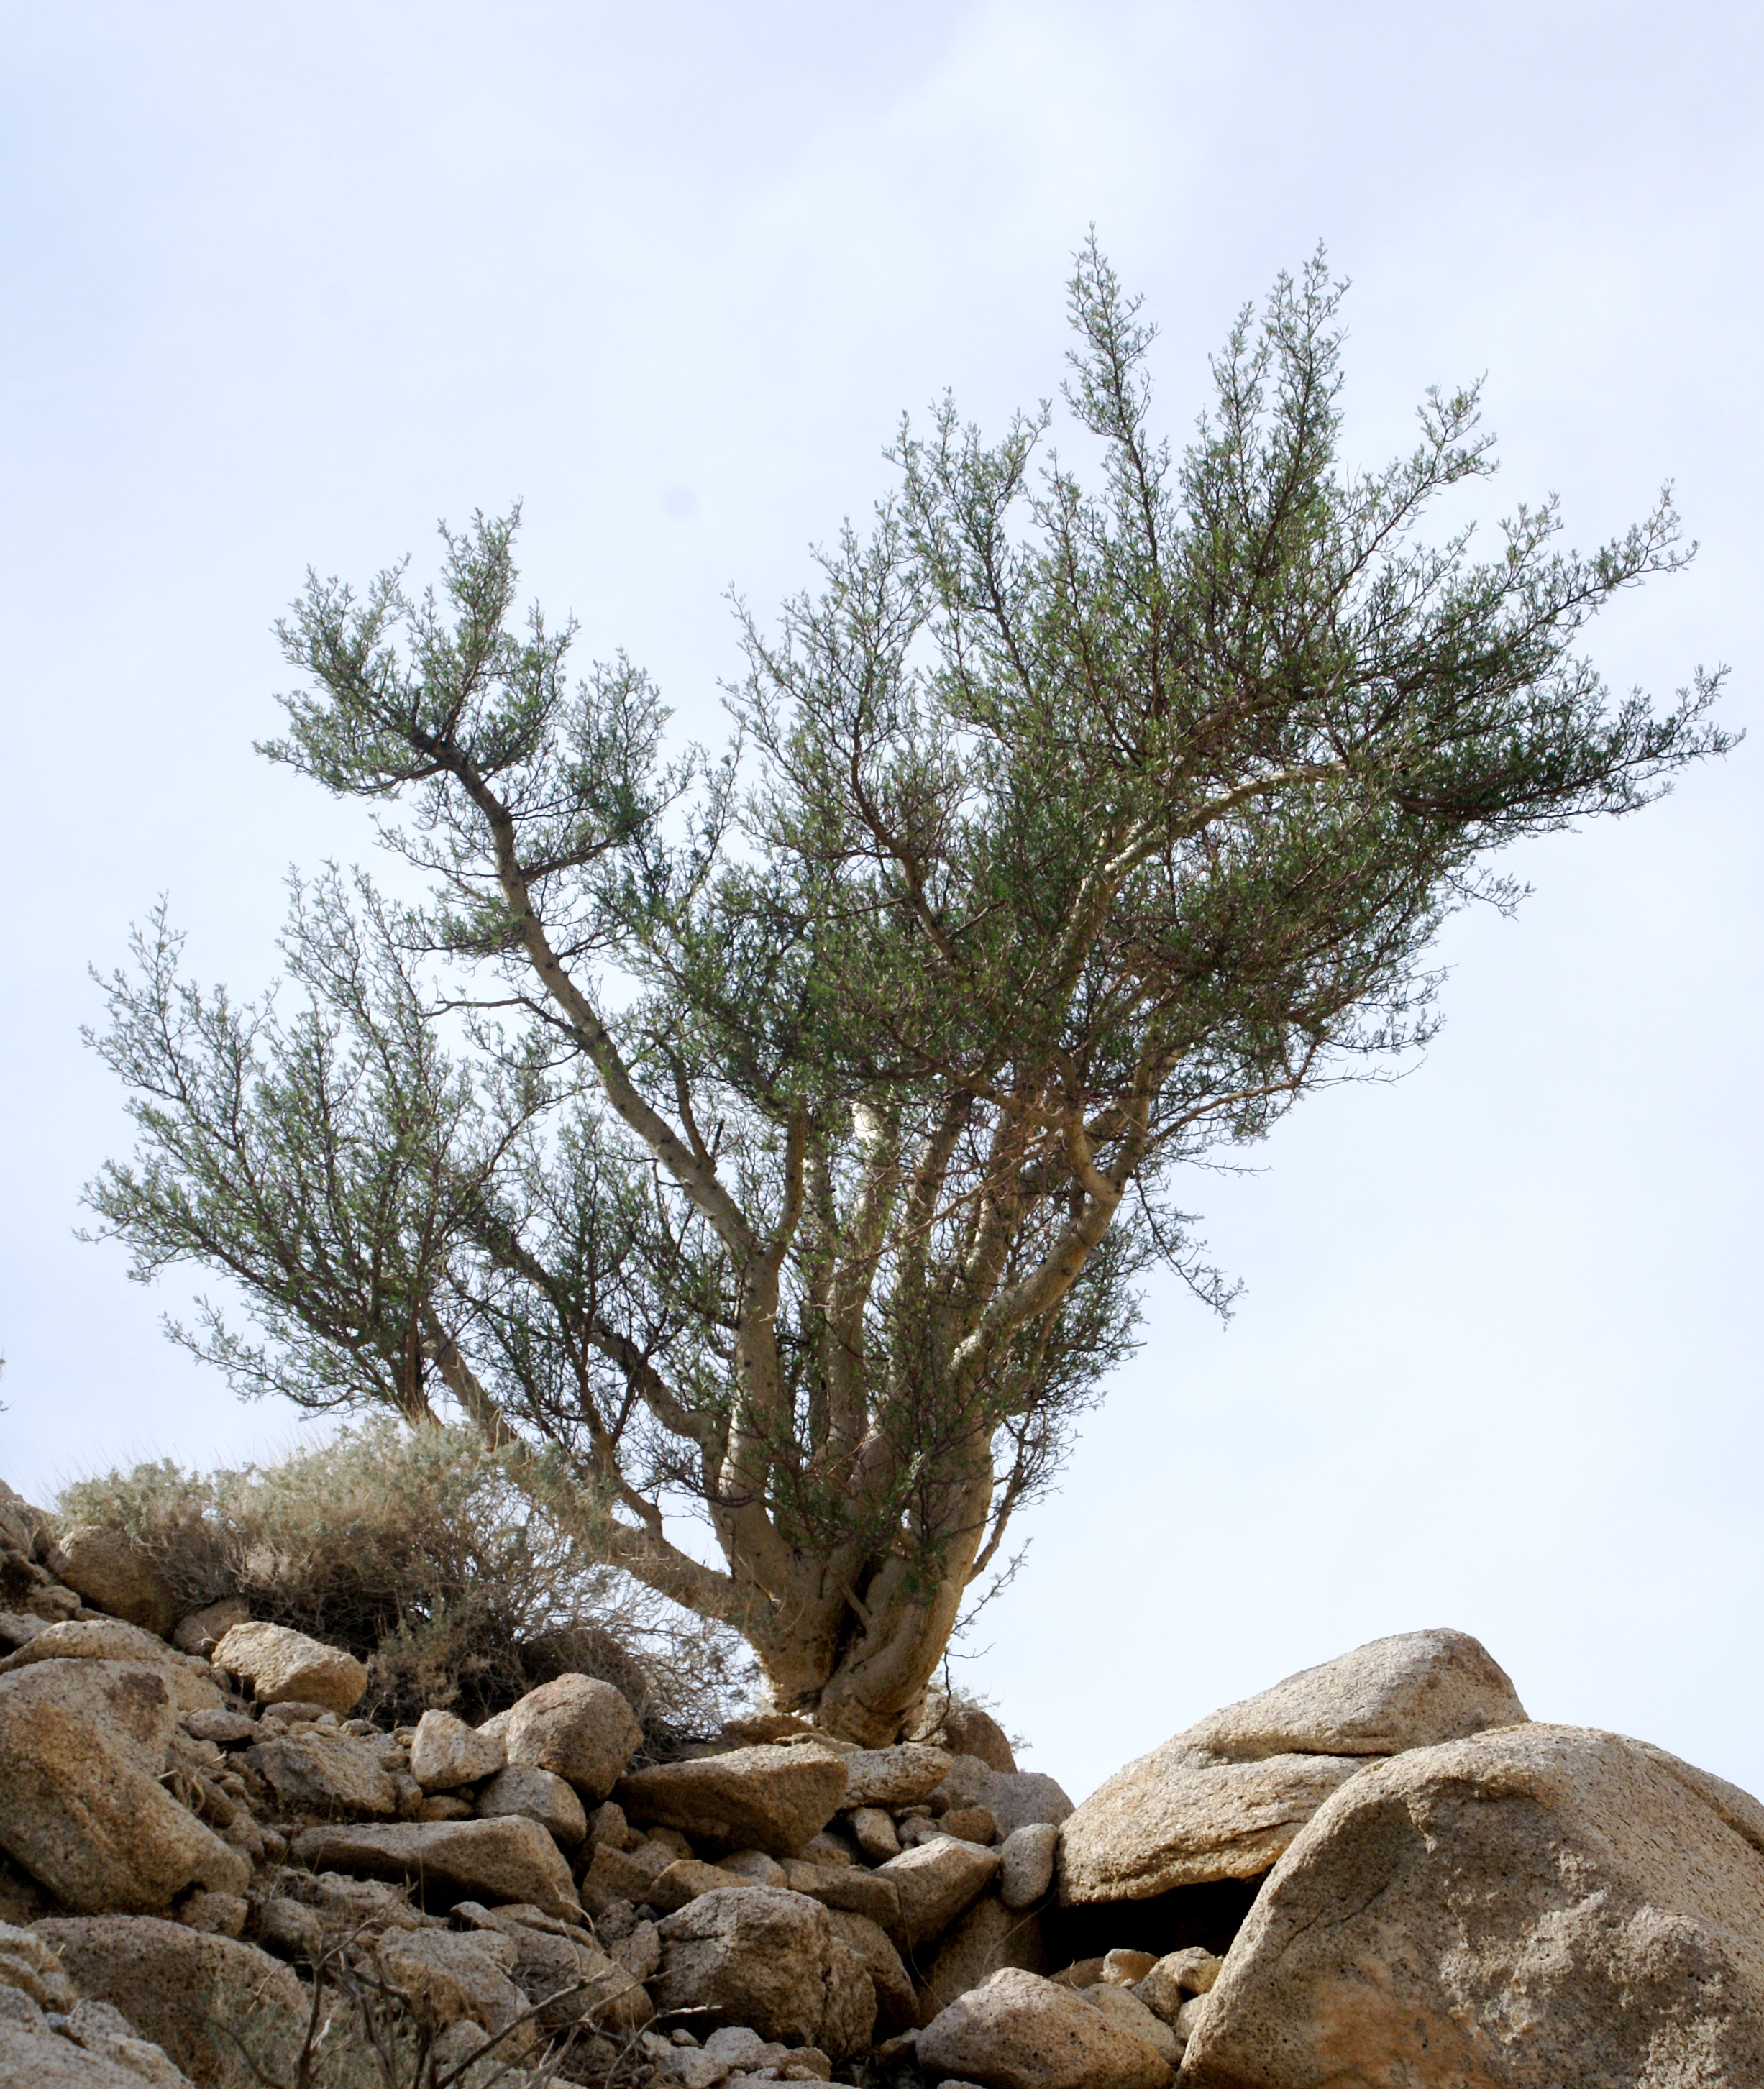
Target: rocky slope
(1377, 1873)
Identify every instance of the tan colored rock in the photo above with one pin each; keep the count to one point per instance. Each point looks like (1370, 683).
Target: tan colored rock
(113, 1573)
(446, 1753)
(111, 1639)
(894, 1777)
(1122, 1968)
(1740, 1811)
(1026, 1864)
(1410, 1691)
(1020, 1799)
(850, 1888)
(1127, 2013)
(1178, 1817)
(1016, 2031)
(1189, 2017)
(974, 1947)
(896, 2003)
(970, 1823)
(540, 1795)
(551, 1958)
(756, 1865)
(317, 1774)
(1529, 1908)
(101, 2030)
(770, 1960)
(201, 1632)
(169, 1982)
(579, 1729)
(37, 2059)
(607, 1824)
(224, 1728)
(458, 1978)
(686, 1880)
(768, 1798)
(509, 1860)
(876, 1833)
(284, 1666)
(616, 1875)
(967, 1730)
(1177, 1977)
(28, 1965)
(81, 1747)
(936, 1881)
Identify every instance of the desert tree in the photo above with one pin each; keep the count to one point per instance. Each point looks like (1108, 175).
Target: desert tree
(789, 1130)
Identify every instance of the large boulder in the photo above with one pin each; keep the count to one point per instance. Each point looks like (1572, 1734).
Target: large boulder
(446, 1753)
(770, 1799)
(893, 1777)
(172, 1983)
(512, 1859)
(111, 1639)
(773, 1960)
(1223, 1799)
(579, 1729)
(539, 1795)
(83, 1744)
(936, 1881)
(1521, 1909)
(286, 1667)
(317, 1773)
(1016, 2031)
(1022, 1798)
(113, 1573)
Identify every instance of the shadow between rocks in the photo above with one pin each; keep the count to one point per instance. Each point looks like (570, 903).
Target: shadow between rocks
(1209, 1915)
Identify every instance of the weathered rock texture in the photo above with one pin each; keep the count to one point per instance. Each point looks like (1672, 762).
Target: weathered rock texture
(1533, 1908)
(579, 1729)
(770, 1799)
(509, 1860)
(286, 1667)
(1016, 2031)
(1224, 1798)
(773, 1960)
(115, 1574)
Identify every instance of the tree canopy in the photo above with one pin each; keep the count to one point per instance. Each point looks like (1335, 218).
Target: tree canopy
(789, 1129)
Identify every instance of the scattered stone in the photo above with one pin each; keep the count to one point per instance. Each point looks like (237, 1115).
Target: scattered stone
(1026, 1864)
(988, 1937)
(1178, 1976)
(1127, 2013)
(457, 1977)
(578, 1728)
(512, 1859)
(769, 1798)
(34, 2058)
(284, 1666)
(1021, 1799)
(756, 1865)
(624, 1874)
(1532, 1907)
(101, 2030)
(877, 1835)
(224, 1728)
(28, 1966)
(20, 1628)
(640, 1953)
(446, 1753)
(1188, 2017)
(201, 1632)
(967, 1730)
(217, 1914)
(81, 1747)
(755, 1956)
(445, 1806)
(551, 1958)
(539, 1795)
(830, 1847)
(111, 1639)
(686, 1880)
(936, 1882)
(894, 1777)
(295, 1712)
(113, 1573)
(318, 1773)
(1122, 1969)
(607, 1824)
(1016, 2031)
(169, 1982)
(970, 1823)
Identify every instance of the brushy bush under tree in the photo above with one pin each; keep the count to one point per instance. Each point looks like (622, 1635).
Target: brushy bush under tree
(411, 1549)
(826, 1103)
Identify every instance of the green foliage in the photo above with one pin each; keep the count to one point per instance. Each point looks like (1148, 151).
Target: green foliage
(411, 1549)
(810, 1114)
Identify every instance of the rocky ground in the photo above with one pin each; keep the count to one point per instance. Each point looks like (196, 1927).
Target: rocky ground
(1378, 1872)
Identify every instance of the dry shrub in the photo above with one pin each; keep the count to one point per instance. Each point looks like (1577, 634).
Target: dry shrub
(411, 1549)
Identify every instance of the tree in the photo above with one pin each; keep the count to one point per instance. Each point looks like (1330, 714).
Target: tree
(796, 1125)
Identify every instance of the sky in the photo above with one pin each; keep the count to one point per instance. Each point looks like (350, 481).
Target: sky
(283, 286)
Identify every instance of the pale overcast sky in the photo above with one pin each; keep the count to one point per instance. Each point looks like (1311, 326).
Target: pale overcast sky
(287, 283)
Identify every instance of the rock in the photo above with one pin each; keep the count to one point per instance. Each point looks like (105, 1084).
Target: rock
(201, 1632)
(456, 1977)
(849, 1887)
(20, 1628)
(988, 1937)
(101, 2030)
(936, 1882)
(607, 1824)
(538, 1795)
(445, 1806)
(29, 1966)
(1530, 1908)
(614, 1875)
(1123, 1969)
(756, 1865)
(1016, 2031)
(831, 1848)
(686, 1880)
(512, 1859)
(896, 2004)
(551, 1957)
(219, 1914)
(579, 1729)
(877, 1835)
(110, 1639)
(1176, 1977)
(224, 1728)
(1021, 1799)
(969, 1731)
(768, 1798)
(81, 1747)
(446, 1753)
(113, 1573)
(37, 2059)
(169, 1982)
(640, 1953)
(1127, 2013)
(755, 1956)
(1189, 2017)
(1741, 1812)
(894, 1777)
(970, 1823)
(319, 1774)
(1410, 1691)
(284, 1666)
(1026, 1864)
(1179, 1817)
